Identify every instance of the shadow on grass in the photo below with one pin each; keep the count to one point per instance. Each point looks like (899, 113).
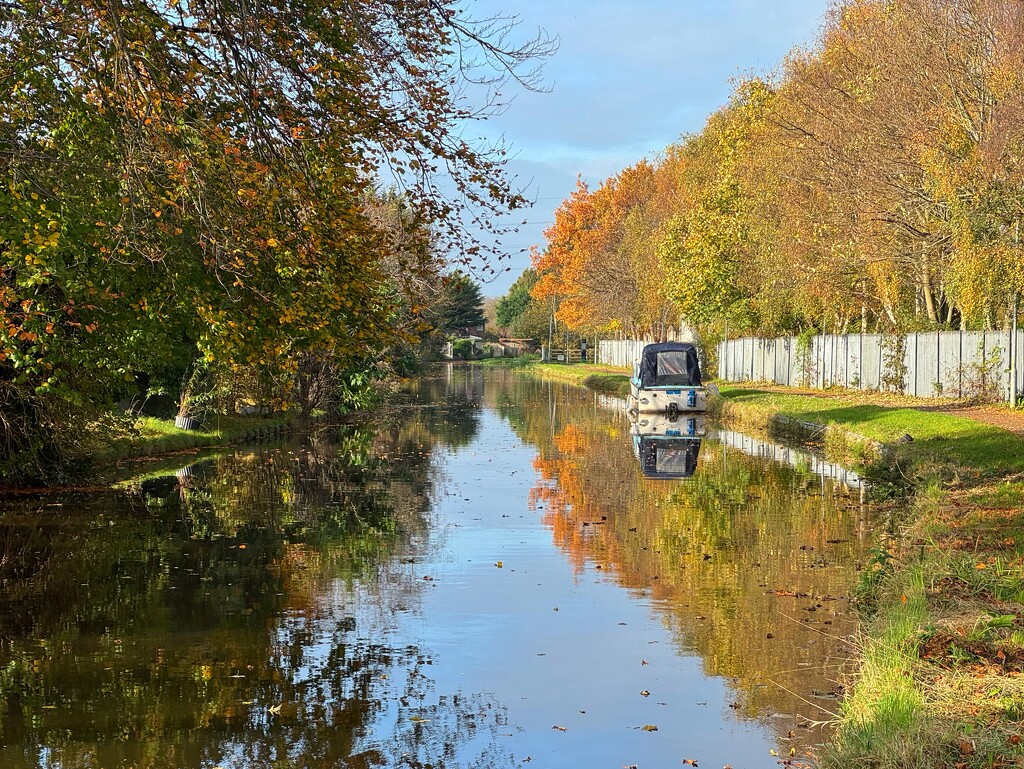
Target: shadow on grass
(940, 438)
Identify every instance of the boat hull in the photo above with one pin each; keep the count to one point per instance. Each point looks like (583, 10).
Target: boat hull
(667, 399)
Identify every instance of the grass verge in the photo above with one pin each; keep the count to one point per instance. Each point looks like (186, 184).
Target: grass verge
(604, 379)
(151, 437)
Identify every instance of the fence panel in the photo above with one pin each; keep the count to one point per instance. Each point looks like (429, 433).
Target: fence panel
(950, 362)
(935, 363)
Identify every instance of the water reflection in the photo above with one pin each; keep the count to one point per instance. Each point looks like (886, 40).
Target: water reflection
(667, 446)
(749, 561)
(412, 593)
(207, 618)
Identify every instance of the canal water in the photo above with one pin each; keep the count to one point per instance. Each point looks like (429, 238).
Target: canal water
(482, 578)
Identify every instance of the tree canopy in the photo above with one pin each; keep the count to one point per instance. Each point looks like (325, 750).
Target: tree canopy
(874, 181)
(462, 303)
(192, 178)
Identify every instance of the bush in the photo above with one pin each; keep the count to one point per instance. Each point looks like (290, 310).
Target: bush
(462, 349)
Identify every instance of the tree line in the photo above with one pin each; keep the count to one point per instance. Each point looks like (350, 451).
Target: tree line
(234, 198)
(873, 182)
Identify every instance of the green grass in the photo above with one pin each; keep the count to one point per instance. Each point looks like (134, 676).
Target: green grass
(154, 437)
(523, 361)
(944, 439)
(886, 726)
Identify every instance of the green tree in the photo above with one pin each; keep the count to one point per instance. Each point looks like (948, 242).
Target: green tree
(512, 306)
(181, 178)
(462, 303)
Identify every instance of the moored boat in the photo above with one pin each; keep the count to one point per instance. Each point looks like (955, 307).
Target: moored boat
(666, 378)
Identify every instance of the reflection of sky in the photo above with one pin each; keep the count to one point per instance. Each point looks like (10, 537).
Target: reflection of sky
(496, 630)
(627, 80)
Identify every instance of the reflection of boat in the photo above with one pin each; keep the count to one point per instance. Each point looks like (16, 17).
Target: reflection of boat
(667, 378)
(668, 425)
(667, 445)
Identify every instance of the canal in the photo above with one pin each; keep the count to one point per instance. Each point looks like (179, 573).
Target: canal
(483, 577)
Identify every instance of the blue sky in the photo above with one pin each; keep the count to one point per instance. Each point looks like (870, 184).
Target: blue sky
(627, 80)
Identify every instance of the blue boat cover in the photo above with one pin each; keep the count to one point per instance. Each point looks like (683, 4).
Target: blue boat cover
(669, 363)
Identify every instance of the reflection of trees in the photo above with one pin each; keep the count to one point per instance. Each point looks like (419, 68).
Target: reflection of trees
(708, 550)
(448, 403)
(204, 619)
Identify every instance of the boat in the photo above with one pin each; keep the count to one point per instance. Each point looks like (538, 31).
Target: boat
(666, 378)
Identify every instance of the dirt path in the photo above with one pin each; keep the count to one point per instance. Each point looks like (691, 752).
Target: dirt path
(1000, 416)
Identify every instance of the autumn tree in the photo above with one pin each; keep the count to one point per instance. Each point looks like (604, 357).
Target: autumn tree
(598, 265)
(194, 176)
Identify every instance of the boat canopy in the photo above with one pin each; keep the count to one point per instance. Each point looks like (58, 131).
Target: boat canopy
(669, 363)
(667, 457)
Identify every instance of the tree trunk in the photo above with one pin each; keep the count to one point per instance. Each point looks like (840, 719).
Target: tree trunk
(926, 289)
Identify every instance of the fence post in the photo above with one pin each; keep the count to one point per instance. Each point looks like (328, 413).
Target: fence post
(960, 368)
(824, 352)
(789, 362)
(916, 362)
(860, 361)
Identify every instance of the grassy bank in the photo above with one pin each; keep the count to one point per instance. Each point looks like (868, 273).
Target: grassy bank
(150, 437)
(938, 682)
(939, 678)
(603, 379)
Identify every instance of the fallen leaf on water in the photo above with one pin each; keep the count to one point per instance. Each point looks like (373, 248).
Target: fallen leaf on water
(650, 728)
(689, 762)
(560, 728)
(418, 720)
(630, 766)
(645, 693)
(771, 752)
(499, 564)
(644, 662)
